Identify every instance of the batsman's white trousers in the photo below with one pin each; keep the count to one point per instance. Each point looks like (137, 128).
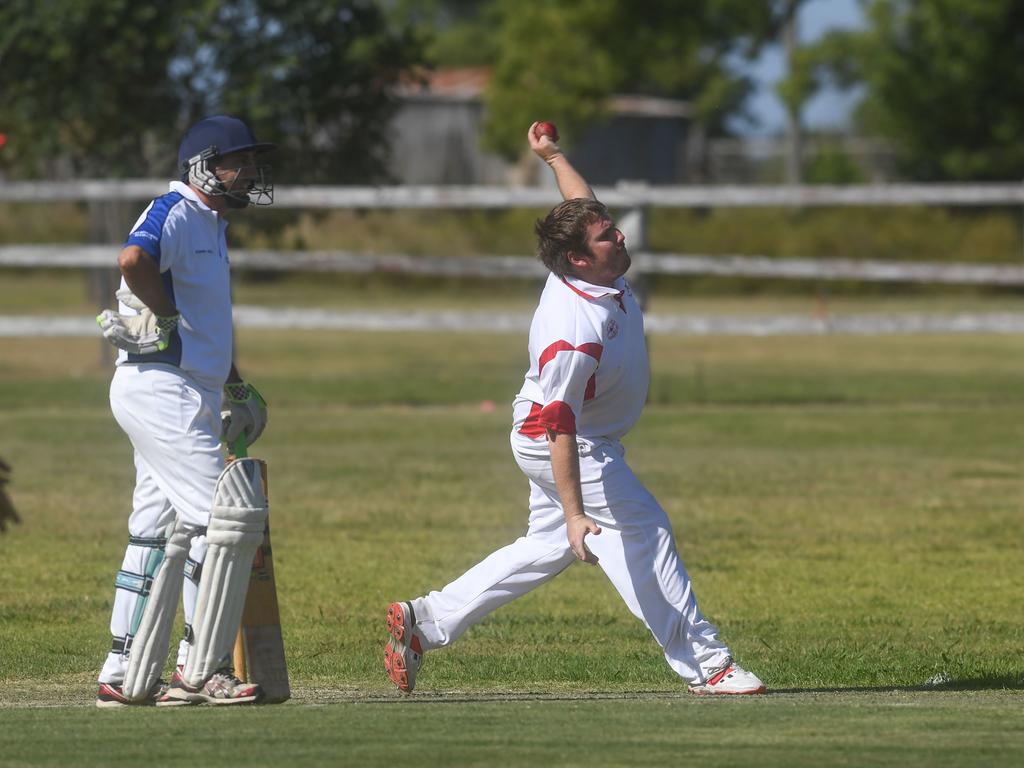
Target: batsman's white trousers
(636, 550)
(174, 426)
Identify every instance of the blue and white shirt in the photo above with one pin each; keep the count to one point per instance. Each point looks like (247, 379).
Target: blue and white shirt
(186, 239)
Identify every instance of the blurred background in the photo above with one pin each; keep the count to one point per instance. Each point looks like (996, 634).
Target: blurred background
(817, 157)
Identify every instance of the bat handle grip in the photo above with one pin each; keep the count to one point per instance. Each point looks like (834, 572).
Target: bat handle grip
(239, 448)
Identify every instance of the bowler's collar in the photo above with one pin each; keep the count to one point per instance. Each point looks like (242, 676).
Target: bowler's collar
(592, 292)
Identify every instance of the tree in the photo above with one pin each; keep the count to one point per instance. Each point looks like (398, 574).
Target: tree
(794, 90)
(942, 80)
(453, 33)
(317, 77)
(563, 59)
(83, 84)
(106, 87)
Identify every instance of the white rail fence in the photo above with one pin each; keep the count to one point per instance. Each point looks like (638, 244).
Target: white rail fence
(100, 260)
(626, 195)
(635, 198)
(404, 321)
(645, 263)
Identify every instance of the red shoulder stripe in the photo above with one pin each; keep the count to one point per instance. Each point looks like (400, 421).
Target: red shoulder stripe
(591, 348)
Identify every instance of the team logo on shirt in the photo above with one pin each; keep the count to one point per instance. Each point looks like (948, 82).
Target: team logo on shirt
(613, 328)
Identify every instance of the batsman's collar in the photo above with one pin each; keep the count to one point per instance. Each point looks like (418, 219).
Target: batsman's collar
(190, 194)
(593, 292)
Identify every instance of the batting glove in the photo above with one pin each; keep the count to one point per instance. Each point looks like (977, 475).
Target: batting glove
(140, 334)
(246, 413)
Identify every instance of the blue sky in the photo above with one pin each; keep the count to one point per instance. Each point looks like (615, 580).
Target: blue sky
(831, 109)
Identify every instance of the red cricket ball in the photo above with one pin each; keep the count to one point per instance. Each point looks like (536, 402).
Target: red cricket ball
(547, 129)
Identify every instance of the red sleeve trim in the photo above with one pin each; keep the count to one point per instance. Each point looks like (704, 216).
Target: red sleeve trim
(558, 417)
(531, 424)
(591, 348)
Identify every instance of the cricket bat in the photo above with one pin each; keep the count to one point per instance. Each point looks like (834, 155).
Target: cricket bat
(259, 648)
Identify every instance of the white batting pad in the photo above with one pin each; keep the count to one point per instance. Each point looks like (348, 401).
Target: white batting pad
(148, 652)
(237, 520)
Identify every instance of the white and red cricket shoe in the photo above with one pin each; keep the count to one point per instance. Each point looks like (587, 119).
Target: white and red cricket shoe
(403, 653)
(111, 696)
(222, 687)
(730, 679)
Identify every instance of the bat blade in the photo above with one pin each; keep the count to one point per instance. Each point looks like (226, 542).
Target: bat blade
(259, 655)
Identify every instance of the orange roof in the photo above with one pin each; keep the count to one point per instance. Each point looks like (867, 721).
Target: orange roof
(464, 82)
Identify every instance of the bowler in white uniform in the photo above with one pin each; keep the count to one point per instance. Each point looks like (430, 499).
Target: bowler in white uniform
(584, 390)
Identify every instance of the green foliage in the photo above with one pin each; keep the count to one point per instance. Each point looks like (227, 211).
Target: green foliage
(836, 58)
(314, 76)
(915, 233)
(454, 33)
(536, 78)
(830, 165)
(801, 82)
(942, 80)
(44, 223)
(83, 84)
(562, 60)
(106, 87)
(912, 233)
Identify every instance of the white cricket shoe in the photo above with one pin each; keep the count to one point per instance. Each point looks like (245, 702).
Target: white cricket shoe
(730, 679)
(403, 653)
(222, 687)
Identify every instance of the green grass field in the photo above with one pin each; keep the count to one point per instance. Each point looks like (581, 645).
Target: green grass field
(849, 510)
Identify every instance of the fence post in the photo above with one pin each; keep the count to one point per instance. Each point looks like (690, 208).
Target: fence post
(633, 224)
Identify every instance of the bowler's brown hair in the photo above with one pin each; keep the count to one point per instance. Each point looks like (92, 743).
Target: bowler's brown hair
(564, 230)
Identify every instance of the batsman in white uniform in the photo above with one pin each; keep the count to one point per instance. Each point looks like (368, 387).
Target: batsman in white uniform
(194, 523)
(585, 388)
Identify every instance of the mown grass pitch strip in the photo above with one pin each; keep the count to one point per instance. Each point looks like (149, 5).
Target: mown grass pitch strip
(849, 510)
(883, 729)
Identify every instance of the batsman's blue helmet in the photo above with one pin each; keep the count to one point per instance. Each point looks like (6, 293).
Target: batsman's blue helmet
(214, 137)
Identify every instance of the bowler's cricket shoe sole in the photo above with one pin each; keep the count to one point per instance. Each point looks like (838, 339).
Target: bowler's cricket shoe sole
(222, 687)
(731, 680)
(403, 653)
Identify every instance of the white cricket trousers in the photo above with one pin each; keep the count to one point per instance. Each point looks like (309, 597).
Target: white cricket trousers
(173, 424)
(636, 550)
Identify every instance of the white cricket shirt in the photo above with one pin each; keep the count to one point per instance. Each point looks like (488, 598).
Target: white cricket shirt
(186, 239)
(588, 370)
